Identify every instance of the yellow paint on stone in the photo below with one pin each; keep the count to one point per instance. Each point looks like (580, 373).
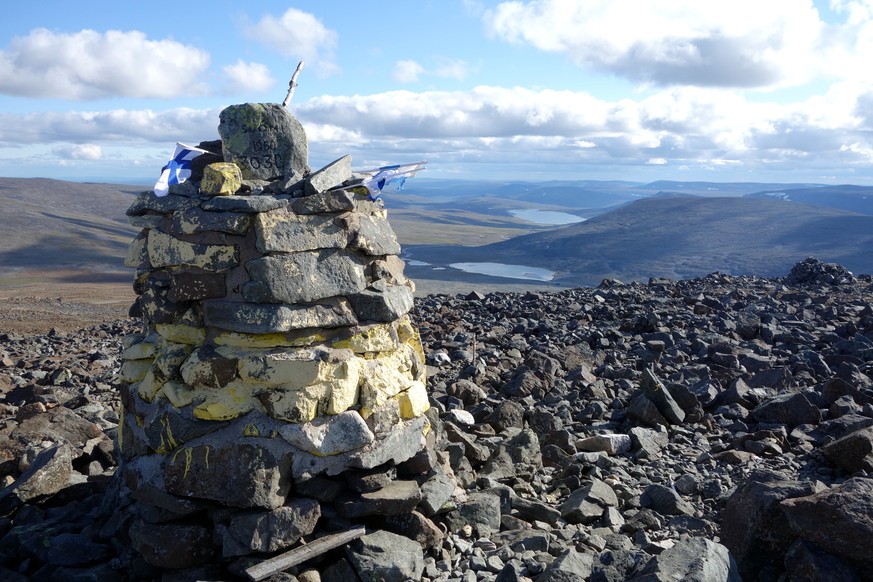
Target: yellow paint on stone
(181, 334)
(344, 389)
(383, 378)
(150, 385)
(139, 351)
(135, 370)
(221, 178)
(414, 401)
(233, 401)
(168, 443)
(289, 369)
(268, 340)
(168, 251)
(410, 336)
(377, 338)
(296, 406)
(178, 394)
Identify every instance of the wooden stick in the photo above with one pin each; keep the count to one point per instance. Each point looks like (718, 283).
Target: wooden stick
(292, 85)
(302, 553)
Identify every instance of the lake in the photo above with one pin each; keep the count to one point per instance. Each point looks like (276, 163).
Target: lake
(507, 271)
(550, 217)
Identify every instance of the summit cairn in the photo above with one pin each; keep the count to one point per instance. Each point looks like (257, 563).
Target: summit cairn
(276, 363)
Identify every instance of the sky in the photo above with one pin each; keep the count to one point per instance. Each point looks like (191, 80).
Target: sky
(641, 90)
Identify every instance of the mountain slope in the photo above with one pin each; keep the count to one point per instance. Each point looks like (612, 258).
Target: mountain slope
(844, 197)
(685, 237)
(55, 224)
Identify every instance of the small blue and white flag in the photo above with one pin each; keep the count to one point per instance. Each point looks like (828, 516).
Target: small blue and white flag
(377, 178)
(178, 169)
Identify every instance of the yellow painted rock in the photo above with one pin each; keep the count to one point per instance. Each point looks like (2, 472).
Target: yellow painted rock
(168, 251)
(376, 338)
(221, 179)
(135, 370)
(149, 386)
(295, 405)
(268, 340)
(233, 401)
(344, 388)
(178, 394)
(139, 351)
(414, 401)
(181, 334)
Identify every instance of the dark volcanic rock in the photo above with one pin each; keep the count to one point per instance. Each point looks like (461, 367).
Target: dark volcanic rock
(838, 520)
(754, 528)
(771, 457)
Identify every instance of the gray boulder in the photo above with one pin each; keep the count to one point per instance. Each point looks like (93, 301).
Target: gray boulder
(838, 520)
(264, 140)
(754, 528)
(386, 557)
(691, 560)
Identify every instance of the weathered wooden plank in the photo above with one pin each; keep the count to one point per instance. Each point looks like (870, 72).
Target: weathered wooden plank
(302, 553)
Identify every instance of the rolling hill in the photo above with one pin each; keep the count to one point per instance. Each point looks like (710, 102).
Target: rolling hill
(682, 237)
(845, 197)
(52, 224)
(58, 224)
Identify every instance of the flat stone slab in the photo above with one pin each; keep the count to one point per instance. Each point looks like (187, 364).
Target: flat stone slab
(247, 204)
(259, 318)
(197, 220)
(165, 250)
(330, 435)
(396, 498)
(304, 277)
(289, 233)
(324, 202)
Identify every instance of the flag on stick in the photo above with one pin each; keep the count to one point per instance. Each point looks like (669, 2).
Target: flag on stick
(178, 169)
(377, 178)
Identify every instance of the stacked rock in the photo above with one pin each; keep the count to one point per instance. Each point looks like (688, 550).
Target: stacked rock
(276, 351)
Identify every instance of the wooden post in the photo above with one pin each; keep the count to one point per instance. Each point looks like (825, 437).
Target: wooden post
(292, 85)
(302, 553)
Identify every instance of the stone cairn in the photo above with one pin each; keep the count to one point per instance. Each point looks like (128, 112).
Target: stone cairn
(278, 384)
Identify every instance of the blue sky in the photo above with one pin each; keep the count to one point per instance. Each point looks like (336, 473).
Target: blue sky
(779, 91)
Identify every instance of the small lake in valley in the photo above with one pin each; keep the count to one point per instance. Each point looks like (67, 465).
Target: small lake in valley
(504, 270)
(550, 217)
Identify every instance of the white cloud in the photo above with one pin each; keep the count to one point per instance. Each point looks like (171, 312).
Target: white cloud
(857, 11)
(242, 77)
(120, 125)
(85, 151)
(300, 35)
(702, 130)
(452, 68)
(93, 65)
(691, 127)
(407, 71)
(744, 43)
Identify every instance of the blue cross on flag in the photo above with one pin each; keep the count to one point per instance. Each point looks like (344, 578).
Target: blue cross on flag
(374, 180)
(178, 169)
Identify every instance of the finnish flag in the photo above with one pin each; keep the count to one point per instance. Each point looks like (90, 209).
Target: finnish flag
(178, 169)
(378, 178)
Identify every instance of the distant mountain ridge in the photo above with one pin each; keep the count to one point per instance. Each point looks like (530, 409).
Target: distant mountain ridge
(633, 231)
(683, 237)
(844, 197)
(57, 224)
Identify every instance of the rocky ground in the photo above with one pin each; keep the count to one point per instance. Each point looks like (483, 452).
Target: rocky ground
(719, 428)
